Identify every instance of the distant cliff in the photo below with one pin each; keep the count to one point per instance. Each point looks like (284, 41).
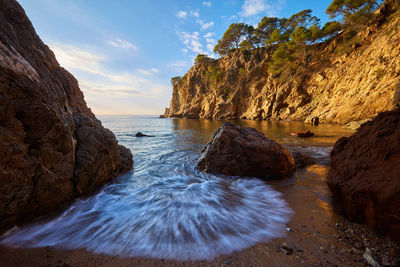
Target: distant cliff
(52, 147)
(346, 80)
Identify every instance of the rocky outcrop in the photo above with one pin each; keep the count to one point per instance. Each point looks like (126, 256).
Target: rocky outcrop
(241, 151)
(341, 84)
(52, 148)
(365, 174)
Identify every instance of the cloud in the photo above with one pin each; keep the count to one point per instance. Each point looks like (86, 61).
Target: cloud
(195, 14)
(207, 25)
(181, 14)
(94, 76)
(145, 72)
(207, 4)
(210, 47)
(192, 41)
(120, 43)
(149, 72)
(255, 7)
(71, 57)
(209, 35)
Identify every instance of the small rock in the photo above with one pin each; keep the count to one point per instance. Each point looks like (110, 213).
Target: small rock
(289, 229)
(139, 134)
(303, 134)
(285, 248)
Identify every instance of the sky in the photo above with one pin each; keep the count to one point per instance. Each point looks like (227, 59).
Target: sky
(125, 52)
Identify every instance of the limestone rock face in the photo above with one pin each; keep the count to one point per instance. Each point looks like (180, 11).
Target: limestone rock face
(365, 174)
(336, 88)
(246, 152)
(52, 148)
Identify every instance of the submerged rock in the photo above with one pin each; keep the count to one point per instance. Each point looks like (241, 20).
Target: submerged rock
(365, 174)
(52, 147)
(246, 152)
(139, 134)
(303, 134)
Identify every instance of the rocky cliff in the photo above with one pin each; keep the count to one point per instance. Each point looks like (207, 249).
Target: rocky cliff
(52, 148)
(347, 80)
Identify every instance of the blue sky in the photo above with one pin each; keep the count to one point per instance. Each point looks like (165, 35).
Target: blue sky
(124, 52)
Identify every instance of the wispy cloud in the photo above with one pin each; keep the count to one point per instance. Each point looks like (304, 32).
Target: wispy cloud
(192, 41)
(149, 72)
(207, 4)
(94, 76)
(209, 35)
(181, 14)
(205, 26)
(195, 14)
(124, 44)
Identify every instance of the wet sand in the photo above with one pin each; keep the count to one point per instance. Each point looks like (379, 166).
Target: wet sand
(316, 235)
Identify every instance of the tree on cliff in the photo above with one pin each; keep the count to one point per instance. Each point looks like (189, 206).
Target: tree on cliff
(233, 37)
(353, 11)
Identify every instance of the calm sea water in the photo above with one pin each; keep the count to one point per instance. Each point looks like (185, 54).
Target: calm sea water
(166, 208)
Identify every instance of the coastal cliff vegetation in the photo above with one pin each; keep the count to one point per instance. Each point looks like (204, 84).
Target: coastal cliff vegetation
(295, 68)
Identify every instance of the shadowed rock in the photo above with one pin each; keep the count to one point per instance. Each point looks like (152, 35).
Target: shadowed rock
(302, 160)
(139, 134)
(365, 174)
(52, 147)
(246, 152)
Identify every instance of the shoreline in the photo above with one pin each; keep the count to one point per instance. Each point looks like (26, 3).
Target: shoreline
(315, 236)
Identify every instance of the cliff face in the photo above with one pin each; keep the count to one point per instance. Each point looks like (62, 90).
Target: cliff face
(353, 86)
(52, 148)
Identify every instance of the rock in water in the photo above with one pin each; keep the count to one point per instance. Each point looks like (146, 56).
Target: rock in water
(302, 160)
(365, 174)
(52, 147)
(246, 152)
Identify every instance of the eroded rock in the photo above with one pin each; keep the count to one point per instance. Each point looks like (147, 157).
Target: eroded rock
(241, 151)
(365, 174)
(52, 147)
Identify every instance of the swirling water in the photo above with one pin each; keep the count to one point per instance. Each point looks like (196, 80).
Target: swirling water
(165, 207)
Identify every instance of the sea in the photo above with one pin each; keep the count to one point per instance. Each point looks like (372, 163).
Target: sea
(167, 209)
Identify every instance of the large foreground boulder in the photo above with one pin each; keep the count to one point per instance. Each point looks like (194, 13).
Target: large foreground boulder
(365, 174)
(241, 151)
(52, 147)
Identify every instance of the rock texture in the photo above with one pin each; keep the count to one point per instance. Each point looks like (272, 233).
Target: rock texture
(246, 152)
(52, 148)
(365, 174)
(338, 87)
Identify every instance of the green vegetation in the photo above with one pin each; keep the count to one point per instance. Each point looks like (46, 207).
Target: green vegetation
(175, 80)
(214, 74)
(201, 59)
(294, 38)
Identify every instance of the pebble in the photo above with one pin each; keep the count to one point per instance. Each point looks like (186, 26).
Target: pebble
(289, 229)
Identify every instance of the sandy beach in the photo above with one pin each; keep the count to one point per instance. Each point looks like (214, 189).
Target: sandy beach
(316, 236)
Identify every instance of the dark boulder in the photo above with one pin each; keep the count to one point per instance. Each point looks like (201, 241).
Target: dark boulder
(365, 174)
(241, 151)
